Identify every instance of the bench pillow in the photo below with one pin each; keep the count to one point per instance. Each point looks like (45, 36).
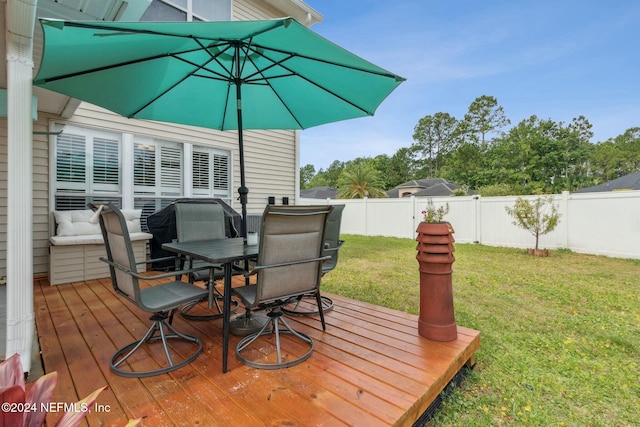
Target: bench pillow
(79, 222)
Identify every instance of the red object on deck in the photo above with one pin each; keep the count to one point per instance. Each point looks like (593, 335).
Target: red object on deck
(435, 255)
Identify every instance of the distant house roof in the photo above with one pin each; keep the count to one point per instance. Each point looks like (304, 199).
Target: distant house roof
(427, 188)
(626, 182)
(319, 193)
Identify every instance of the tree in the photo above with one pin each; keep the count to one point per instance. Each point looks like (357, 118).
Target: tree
(319, 180)
(401, 167)
(617, 156)
(531, 155)
(329, 177)
(436, 136)
(306, 175)
(538, 217)
(360, 181)
(484, 116)
(466, 166)
(577, 150)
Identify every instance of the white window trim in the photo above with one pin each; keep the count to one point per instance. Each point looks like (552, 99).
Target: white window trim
(55, 130)
(189, 9)
(127, 143)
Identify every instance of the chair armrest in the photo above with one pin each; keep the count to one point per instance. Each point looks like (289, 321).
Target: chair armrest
(284, 264)
(154, 260)
(340, 243)
(327, 248)
(156, 276)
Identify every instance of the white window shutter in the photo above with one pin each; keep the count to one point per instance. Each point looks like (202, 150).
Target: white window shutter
(200, 170)
(71, 157)
(221, 172)
(170, 169)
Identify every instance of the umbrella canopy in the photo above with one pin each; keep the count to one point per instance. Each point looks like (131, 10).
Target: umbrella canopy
(227, 75)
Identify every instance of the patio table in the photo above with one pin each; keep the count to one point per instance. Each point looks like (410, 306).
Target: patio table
(218, 251)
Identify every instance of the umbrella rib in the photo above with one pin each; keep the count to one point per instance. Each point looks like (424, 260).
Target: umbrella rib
(116, 28)
(282, 64)
(118, 65)
(98, 69)
(160, 95)
(221, 76)
(226, 105)
(170, 88)
(291, 55)
(382, 73)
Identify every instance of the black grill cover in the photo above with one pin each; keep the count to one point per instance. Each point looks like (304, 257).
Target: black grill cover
(162, 224)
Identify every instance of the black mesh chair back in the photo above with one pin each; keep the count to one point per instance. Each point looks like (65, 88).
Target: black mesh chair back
(305, 305)
(332, 242)
(160, 300)
(289, 265)
(202, 221)
(199, 221)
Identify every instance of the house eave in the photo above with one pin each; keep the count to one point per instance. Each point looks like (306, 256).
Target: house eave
(298, 10)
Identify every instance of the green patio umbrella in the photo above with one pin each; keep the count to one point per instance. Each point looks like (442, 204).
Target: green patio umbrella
(227, 75)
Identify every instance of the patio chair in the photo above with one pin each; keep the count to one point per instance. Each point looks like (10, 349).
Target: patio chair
(289, 264)
(202, 221)
(160, 300)
(332, 245)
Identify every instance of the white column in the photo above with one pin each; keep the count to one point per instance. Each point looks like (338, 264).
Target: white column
(20, 17)
(128, 200)
(187, 176)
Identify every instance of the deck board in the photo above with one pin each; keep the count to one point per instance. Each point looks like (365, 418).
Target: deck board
(369, 368)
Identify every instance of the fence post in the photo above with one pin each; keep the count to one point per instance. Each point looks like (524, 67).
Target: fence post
(414, 223)
(366, 216)
(477, 219)
(563, 236)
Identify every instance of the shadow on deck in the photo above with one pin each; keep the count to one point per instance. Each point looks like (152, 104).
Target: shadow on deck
(370, 368)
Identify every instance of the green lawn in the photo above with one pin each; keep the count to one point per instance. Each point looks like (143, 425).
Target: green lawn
(560, 336)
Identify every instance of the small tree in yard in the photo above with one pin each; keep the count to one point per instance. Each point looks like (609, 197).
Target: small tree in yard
(538, 217)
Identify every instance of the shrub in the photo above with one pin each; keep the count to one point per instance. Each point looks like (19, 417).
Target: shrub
(30, 406)
(433, 214)
(538, 217)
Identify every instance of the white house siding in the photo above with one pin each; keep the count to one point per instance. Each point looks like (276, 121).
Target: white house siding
(41, 212)
(252, 10)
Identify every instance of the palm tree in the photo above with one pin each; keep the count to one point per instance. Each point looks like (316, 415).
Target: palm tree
(360, 181)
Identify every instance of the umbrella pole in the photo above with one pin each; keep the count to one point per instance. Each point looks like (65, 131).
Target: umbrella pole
(242, 190)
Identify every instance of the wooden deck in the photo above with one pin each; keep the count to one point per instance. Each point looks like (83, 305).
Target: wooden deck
(370, 368)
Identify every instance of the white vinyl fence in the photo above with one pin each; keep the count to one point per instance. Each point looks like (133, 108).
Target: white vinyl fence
(594, 223)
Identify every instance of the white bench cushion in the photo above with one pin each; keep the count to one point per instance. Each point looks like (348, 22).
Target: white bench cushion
(85, 223)
(92, 239)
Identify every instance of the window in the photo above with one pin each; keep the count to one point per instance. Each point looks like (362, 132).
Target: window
(210, 173)
(157, 174)
(87, 168)
(188, 10)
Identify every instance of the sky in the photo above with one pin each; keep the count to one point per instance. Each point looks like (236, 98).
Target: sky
(556, 59)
